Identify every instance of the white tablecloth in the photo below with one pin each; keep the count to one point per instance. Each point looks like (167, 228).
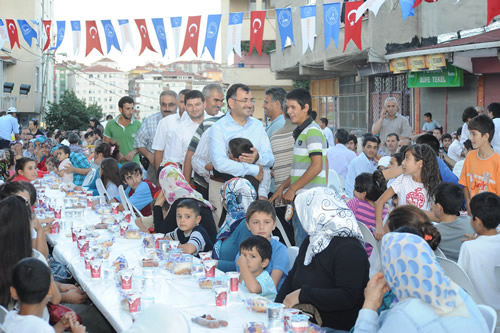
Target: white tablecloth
(181, 292)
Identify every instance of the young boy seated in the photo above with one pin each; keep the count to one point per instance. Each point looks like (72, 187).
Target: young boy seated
(139, 191)
(52, 165)
(448, 201)
(62, 154)
(193, 237)
(261, 221)
(32, 288)
(255, 256)
(479, 257)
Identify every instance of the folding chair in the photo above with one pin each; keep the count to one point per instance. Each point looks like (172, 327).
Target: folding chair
(370, 239)
(126, 202)
(279, 225)
(334, 182)
(3, 314)
(439, 253)
(101, 189)
(459, 276)
(292, 251)
(89, 177)
(490, 316)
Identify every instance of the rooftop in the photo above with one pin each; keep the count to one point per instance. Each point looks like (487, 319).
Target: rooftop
(101, 69)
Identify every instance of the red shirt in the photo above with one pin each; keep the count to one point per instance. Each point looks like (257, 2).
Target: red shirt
(20, 178)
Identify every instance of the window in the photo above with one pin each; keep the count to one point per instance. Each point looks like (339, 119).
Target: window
(252, 5)
(352, 103)
(91, 76)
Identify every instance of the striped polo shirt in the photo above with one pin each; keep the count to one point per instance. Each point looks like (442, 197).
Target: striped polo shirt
(309, 141)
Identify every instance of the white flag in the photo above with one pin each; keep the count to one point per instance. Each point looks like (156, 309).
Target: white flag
(126, 34)
(234, 33)
(372, 5)
(77, 31)
(308, 23)
(4, 37)
(176, 23)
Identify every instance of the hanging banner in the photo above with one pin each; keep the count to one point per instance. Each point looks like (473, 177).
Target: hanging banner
(3, 34)
(27, 31)
(93, 41)
(257, 20)
(159, 27)
(126, 34)
(493, 10)
(417, 63)
(192, 33)
(12, 32)
(399, 65)
(143, 31)
(407, 8)
(46, 26)
(435, 61)
(284, 19)
(308, 23)
(372, 5)
(234, 33)
(176, 22)
(61, 30)
(451, 76)
(352, 29)
(77, 29)
(213, 24)
(331, 21)
(110, 34)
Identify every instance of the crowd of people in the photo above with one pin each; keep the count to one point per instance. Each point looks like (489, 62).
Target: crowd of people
(222, 182)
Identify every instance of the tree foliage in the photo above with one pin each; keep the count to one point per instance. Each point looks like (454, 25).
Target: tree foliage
(71, 113)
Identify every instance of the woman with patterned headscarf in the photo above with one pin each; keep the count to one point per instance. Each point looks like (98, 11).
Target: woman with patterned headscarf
(331, 269)
(427, 300)
(237, 194)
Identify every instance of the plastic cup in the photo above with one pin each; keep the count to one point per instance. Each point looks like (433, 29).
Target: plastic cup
(147, 301)
(221, 289)
(163, 245)
(233, 281)
(55, 227)
(95, 268)
(88, 257)
(139, 283)
(197, 270)
(123, 228)
(134, 302)
(109, 273)
(205, 255)
(57, 213)
(74, 232)
(275, 317)
(173, 244)
(299, 323)
(114, 207)
(209, 266)
(126, 279)
(84, 246)
(127, 215)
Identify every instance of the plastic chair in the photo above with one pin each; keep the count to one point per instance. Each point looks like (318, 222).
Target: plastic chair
(89, 177)
(101, 189)
(3, 314)
(490, 316)
(279, 225)
(334, 182)
(439, 253)
(126, 202)
(370, 239)
(459, 276)
(497, 275)
(292, 251)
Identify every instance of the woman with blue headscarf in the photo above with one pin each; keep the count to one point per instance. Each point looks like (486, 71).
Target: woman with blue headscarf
(237, 194)
(427, 300)
(42, 151)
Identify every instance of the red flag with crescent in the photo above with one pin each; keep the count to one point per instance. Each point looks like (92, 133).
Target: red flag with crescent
(143, 31)
(13, 36)
(352, 29)
(257, 19)
(93, 41)
(192, 33)
(493, 10)
(418, 2)
(46, 26)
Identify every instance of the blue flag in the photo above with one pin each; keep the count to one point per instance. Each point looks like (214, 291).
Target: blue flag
(176, 21)
(61, 29)
(213, 23)
(406, 8)
(27, 31)
(160, 34)
(284, 19)
(331, 13)
(75, 26)
(111, 38)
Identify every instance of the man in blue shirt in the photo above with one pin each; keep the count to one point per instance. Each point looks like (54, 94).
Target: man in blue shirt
(274, 102)
(446, 174)
(8, 125)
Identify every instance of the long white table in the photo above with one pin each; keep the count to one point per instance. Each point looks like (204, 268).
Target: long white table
(180, 292)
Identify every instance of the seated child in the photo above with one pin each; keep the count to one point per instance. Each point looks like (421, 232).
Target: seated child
(261, 221)
(367, 189)
(62, 154)
(453, 228)
(52, 165)
(140, 191)
(192, 236)
(479, 257)
(32, 288)
(110, 176)
(255, 255)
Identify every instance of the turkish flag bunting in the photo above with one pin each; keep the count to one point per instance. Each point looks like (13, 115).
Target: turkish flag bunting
(46, 25)
(13, 36)
(93, 41)
(493, 10)
(257, 19)
(352, 30)
(418, 2)
(143, 30)
(191, 37)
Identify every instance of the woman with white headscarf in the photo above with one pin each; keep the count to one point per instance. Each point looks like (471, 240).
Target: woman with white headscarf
(427, 300)
(331, 269)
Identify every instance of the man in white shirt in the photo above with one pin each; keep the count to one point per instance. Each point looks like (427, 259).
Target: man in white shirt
(8, 126)
(469, 113)
(327, 132)
(494, 113)
(214, 97)
(339, 156)
(363, 163)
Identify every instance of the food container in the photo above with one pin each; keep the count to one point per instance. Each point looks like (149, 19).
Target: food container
(275, 316)
(221, 290)
(95, 268)
(287, 315)
(87, 258)
(234, 280)
(205, 255)
(173, 244)
(205, 283)
(209, 266)
(299, 323)
(197, 270)
(126, 279)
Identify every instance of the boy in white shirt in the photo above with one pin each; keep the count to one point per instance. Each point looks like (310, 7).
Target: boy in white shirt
(32, 288)
(62, 155)
(479, 256)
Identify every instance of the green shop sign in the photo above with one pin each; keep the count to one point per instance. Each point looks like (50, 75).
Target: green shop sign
(451, 76)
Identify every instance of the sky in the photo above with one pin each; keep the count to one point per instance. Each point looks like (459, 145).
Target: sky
(127, 9)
